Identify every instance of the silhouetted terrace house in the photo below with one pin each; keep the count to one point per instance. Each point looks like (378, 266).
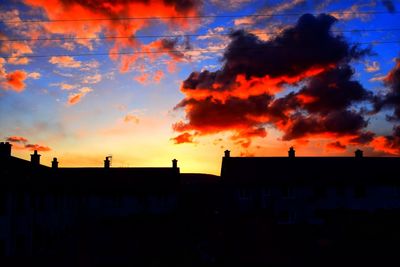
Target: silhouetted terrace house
(39, 203)
(310, 189)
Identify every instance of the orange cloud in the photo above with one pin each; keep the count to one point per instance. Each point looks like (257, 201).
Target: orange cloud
(75, 98)
(21, 143)
(15, 80)
(143, 78)
(183, 138)
(90, 19)
(17, 139)
(158, 76)
(131, 118)
(37, 147)
(65, 62)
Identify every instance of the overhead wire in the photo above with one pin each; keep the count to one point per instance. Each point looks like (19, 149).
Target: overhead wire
(173, 35)
(375, 12)
(208, 50)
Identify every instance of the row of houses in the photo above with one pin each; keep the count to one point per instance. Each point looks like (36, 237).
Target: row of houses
(41, 206)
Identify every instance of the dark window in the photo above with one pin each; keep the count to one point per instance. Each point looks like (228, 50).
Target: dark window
(359, 191)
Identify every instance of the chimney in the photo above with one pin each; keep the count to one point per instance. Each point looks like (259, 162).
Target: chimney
(5, 149)
(54, 164)
(107, 163)
(227, 153)
(292, 152)
(35, 158)
(175, 163)
(358, 153)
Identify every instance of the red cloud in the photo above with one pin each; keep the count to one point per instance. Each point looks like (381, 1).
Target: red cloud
(242, 97)
(85, 18)
(37, 147)
(15, 80)
(337, 146)
(75, 98)
(21, 143)
(183, 138)
(17, 139)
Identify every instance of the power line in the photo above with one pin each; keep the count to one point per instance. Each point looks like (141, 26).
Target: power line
(172, 36)
(195, 17)
(158, 51)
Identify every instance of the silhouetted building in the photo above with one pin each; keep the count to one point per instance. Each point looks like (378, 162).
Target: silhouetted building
(111, 216)
(310, 189)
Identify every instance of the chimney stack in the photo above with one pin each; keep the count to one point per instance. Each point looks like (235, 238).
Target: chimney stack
(107, 163)
(175, 163)
(35, 158)
(227, 153)
(358, 153)
(54, 164)
(292, 152)
(5, 149)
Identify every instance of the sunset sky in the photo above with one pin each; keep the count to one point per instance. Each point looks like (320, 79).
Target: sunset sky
(147, 81)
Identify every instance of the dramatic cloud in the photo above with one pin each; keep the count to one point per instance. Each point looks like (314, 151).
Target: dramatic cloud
(241, 96)
(104, 17)
(336, 146)
(390, 143)
(392, 99)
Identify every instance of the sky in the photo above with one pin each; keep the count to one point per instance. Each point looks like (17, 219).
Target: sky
(147, 81)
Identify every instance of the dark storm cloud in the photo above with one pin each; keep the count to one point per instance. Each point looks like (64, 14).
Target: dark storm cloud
(309, 44)
(321, 106)
(342, 122)
(392, 99)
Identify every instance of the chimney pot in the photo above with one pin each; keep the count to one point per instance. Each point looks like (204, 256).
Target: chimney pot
(175, 163)
(35, 158)
(54, 163)
(292, 152)
(359, 153)
(5, 149)
(227, 153)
